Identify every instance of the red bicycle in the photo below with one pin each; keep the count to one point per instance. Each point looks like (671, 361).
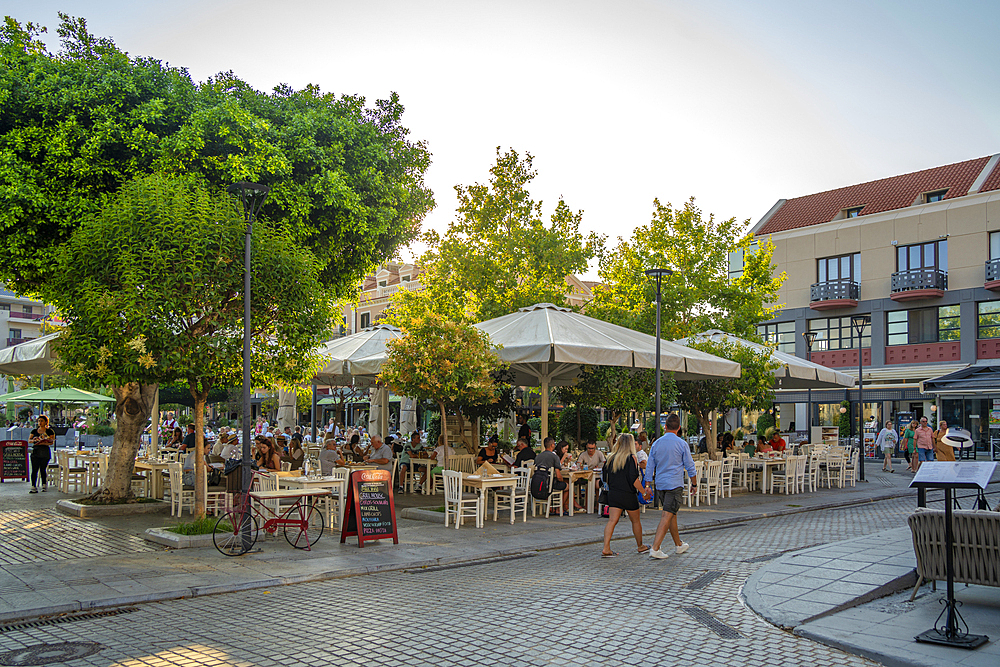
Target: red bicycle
(302, 523)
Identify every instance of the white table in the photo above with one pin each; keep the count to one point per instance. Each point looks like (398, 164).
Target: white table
(483, 484)
(570, 477)
(336, 486)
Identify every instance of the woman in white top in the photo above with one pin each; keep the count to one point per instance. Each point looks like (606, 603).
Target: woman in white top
(887, 439)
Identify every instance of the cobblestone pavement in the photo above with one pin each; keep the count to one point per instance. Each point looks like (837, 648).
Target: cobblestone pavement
(559, 607)
(46, 535)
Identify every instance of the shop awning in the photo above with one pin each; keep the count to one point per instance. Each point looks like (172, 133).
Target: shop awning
(974, 380)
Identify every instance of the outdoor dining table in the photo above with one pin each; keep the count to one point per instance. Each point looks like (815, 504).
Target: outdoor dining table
(336, 487)
(570, 476)
(154, 469)
(765, 465)
(483, 483)
(429, 464)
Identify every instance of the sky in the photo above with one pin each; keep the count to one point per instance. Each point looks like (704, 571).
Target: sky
(733, 102)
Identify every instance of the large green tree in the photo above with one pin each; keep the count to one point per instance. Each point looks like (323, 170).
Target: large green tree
(151, 289)
(346, 181)
(498, 254)
(700, 295)
(753, 390)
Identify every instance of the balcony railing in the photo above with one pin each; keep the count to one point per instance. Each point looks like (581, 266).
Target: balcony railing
(17, 341)
(834, 289)
(992, 270)
(919, 279)
(27, 316)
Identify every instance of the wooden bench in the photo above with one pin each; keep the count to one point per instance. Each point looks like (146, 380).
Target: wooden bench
(976, 536)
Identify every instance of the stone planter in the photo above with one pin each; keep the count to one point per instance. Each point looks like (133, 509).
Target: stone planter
(90, 511)
(170, 539)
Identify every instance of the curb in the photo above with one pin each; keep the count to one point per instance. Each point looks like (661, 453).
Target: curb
(198, 591)
(95, 511)
(854, 649)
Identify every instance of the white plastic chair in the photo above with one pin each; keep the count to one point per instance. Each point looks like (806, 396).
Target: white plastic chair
(515, 499)
(179, 495)
(459, 503)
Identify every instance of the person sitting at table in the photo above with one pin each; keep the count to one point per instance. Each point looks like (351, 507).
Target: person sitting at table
(548, 458)
(296, 455)
(562, 451)
(232, 445)
(763, 446)
(176, 439)
(438, 455)
(409, 449)
(591, 459)
(189, 439)
(267, 457)
(728, 442)
(777, 443)
(379, 454)
(187, 476)
(489, 453)
(353, 451)
(220, 444)
(524, 453)
(330, 457)
(281, 444)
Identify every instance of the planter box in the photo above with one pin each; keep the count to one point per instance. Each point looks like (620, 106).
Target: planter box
(91, 511)
(170, 539)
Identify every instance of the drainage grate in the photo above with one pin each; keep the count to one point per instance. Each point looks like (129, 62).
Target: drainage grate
(471, 563)
(712, 623)
(68, 618)
(705, 579)
(884, 481)
(48, 654)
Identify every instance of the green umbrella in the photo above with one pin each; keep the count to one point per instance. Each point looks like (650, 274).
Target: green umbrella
(16, 395)
(63, 395)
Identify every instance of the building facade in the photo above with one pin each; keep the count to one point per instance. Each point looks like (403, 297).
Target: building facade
(920, 254)
(21, 319)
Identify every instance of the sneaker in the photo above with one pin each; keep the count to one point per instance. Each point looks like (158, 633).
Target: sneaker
(33, 490)
(659, 555)
(682, 548)
(45, 487)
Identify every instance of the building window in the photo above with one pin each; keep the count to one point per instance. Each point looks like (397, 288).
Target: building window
(932, 255)
(14, 334)
(4, 306)
(366, 320)
(382, 283)
(923, 325)
(994, 245)
(405, 279)
(843, 267)
(836, 333)
(781, 334)
(937, 195)
(989, 319)
(27, 310)
(737, 260)
(853, 212)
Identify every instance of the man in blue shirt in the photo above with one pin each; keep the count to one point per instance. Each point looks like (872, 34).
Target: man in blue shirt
(669, 457)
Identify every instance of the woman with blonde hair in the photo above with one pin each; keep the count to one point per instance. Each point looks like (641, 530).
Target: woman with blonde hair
(909, 443)
(623, 481)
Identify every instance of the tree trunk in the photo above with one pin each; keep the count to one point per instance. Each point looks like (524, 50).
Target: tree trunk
(461, 428)
(444, 432)
(613, 433)
(708, 426)
(200, 472)
(133, 403)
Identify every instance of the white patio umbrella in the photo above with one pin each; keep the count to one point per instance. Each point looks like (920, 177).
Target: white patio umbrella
(33, 357)
(794, 373)
(548, 345)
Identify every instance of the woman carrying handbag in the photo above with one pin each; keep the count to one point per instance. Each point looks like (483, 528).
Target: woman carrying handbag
(624, 487)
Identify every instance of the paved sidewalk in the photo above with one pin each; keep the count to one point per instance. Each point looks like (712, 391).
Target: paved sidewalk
(104, 573)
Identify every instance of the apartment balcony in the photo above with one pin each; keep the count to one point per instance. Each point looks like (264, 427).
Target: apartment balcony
(918, 284)
(833, 294)
(27, 316)
(992, 275)
(17, 341)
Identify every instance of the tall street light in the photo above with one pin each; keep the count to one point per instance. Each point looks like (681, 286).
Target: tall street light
(252, 196)
(810, 337)
(659, 274)
(860, 323)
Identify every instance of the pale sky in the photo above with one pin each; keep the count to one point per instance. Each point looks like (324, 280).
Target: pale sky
(736, 103)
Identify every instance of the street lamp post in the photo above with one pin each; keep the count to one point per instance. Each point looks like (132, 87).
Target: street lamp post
(252, 196)
(860, 323)
(659, 274)
(810, 337)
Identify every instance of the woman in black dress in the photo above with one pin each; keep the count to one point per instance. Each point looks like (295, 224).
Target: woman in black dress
(41, 439)
(621, 473)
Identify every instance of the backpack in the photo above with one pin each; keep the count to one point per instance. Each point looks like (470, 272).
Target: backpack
(540, 484)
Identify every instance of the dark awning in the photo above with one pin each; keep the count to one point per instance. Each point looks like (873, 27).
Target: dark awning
(976, 379)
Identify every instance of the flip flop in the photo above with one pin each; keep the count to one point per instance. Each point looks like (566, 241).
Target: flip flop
(644, 549)
(613, 554)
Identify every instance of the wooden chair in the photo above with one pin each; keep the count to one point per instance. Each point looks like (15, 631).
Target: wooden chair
(266, 482)
(516, 499)
(711, 482)
(75, 476)
(786, 479)
(181, 495)
(699, 467)
(812, 472)
(851, 467)
(458, 503)
(728, 467)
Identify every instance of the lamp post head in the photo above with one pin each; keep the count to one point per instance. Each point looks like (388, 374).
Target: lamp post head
(659, 273)
(860, 322)
(810, 337)
(251, 195)
(843, 410)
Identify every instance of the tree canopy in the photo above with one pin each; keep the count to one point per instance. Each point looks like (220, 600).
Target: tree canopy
(700, 295)
(346, 181)
(498, 254)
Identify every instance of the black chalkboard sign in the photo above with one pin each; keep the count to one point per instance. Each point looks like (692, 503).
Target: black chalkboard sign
(369, 512)
(14, 460)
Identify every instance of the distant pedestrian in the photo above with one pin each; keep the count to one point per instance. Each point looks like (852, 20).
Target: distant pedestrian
(942, 450)
(621, 473)
(909, 444)
(669, 457)
(41, 439)
(925, 442)
(887, 439)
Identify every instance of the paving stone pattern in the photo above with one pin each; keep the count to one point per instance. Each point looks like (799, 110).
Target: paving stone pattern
(560, 607)
(28, 536)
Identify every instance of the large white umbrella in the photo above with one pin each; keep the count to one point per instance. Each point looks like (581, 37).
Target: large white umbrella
(33, 357)
(548, 345)
(794, 373)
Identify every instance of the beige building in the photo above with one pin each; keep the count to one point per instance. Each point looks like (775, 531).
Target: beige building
(21, 319)
(920, 254)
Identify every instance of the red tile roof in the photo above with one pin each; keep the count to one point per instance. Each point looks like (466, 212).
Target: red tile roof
(992, 181)
(885, 194)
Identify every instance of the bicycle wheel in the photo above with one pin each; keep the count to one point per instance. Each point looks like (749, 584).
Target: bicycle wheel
(230, 542)
(303, 537)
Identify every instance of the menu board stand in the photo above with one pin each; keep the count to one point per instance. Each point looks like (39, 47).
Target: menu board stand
(14, 460)
(369, 510)
(950, 476)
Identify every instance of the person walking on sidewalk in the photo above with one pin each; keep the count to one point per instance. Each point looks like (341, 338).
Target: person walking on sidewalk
(909, 444)
(925, 442)
(942, 450)
(669, 457)
(887, 439)
(41, 438)
(621, 472)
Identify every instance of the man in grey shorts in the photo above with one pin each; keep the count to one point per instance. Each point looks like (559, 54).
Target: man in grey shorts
(669, 457)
